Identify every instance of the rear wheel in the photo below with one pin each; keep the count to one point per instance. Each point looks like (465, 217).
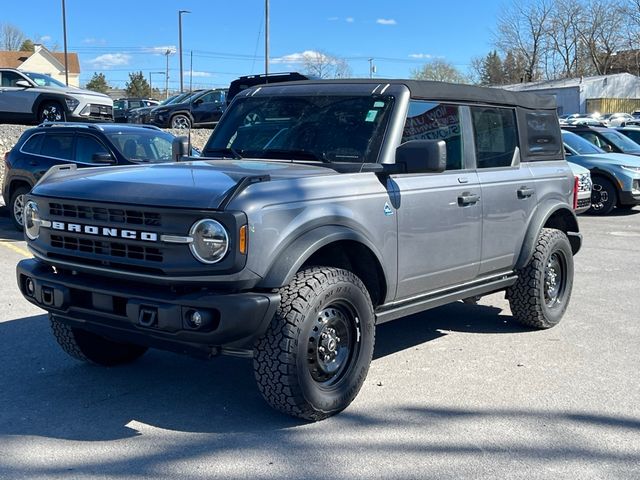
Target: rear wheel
(51, 112)
(89, 347)
(541, 294)
(16, 207)
(314, 358)
(603, 196)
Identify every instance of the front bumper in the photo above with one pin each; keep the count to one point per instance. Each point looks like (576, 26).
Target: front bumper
(149, 315)
(92, 112)
(629, 198)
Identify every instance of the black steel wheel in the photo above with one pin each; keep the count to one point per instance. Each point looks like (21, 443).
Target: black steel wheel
(16, 207)
(51, 112)
(315, 355)
(92, 348)
(603, 196)
(541, 294)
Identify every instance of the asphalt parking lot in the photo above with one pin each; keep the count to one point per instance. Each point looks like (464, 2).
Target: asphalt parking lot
(457, 392)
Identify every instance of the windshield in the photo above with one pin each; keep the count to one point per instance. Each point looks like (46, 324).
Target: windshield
(622, 142)
(327, 128)
(119, 104)
(579, 144)
(143, 146)
(44, 80)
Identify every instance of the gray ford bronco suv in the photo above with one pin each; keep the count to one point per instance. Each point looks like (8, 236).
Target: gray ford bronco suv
(323, 208)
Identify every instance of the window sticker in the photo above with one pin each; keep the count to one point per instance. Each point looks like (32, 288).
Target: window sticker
(371, 116)
(378, 104)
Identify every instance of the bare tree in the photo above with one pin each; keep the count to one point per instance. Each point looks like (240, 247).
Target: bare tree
(522, 29)
(322, 65)
(600, 30)
(440, 71)
(11, 37)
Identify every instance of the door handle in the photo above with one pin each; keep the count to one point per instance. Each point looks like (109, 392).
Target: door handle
(525, 192)
(467, 198)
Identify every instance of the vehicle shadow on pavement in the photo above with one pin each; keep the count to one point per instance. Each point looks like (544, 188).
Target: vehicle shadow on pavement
(7, 231)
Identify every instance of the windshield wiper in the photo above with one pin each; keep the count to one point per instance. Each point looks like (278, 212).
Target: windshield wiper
(224, 151)
(291, 155)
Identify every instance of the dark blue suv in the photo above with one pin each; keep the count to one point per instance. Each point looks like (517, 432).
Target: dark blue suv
(86, 145)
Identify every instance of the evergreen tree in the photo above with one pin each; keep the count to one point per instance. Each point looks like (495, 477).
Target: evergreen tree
(492, 72)
(27, 46)
(98, 83)
(137, 86)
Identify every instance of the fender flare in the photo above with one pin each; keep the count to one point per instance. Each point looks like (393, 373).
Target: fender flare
(44, 97)
(538, 220)
(603, 173)
(293, 255)
(186, 113)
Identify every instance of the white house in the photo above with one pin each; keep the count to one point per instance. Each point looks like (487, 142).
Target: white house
(41, 60)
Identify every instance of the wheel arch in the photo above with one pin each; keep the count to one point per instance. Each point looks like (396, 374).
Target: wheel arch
(331, 246)
(553, 214)
(48, 97)
(17, 183)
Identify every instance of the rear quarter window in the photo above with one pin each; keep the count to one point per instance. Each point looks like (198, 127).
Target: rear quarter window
(543, 134)
(33, 144)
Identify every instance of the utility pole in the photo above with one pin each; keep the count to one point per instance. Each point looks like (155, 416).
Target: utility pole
(166, 78)
(191, 72)
(64, 35)
(266, 37)
(372, 68)
(180, 12)
(151, 74)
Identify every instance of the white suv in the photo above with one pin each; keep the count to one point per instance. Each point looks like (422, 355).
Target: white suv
(28, 97)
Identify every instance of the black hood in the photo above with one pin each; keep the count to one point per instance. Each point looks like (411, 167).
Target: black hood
(197, 184)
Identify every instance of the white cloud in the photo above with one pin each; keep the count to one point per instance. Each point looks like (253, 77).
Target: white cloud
(349, 19)
(299, 57)
(333, 19)
(161, 50)
(386, 21)
(110, 60)
(44, 38)
(94, 41)
(195, 74)
(420, 55)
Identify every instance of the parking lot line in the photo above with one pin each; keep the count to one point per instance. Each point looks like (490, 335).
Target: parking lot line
(15, 248)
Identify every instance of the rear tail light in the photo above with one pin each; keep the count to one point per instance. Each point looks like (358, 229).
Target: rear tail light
(576, 184)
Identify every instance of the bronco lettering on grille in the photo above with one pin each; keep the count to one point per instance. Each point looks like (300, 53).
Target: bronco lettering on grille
(105, 231)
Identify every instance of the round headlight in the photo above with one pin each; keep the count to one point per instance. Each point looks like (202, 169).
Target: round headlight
(31, 218)
(210, 241)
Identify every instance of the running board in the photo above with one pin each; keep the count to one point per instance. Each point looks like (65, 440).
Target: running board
(437, 299)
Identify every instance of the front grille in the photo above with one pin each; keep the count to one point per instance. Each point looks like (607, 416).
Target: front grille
(107, 248)
(101, 110)
(102, 214)
(584, 183)
(584, 202)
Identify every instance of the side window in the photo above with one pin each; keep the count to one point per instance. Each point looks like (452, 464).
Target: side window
(436, 121)
(495, 136)
(542, 133)
(87, 147)
(57, 145)
(9, 79)
(33, 144)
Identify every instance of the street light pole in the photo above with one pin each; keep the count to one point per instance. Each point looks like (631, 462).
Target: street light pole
(64, 35)
(166, 78)
(266, 38)
(180, 12)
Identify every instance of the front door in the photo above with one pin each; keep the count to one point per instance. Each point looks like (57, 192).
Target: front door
(439, 214)
(208, 108)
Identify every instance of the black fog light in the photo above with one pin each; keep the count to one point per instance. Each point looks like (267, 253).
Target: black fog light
(30, 286)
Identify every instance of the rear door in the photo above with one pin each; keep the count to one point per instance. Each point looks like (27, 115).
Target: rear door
(439, 214)
(508, 189)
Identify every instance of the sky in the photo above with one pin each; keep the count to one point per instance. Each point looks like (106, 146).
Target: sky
(227, 38)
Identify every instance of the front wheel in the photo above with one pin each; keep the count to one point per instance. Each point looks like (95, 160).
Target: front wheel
(603, 196)
(180, 122)
(541, 294)
(315, 355)
(51, 112)
(92, 348)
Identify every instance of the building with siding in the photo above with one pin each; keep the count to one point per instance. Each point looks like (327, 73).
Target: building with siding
(603, 93)
(41, 60)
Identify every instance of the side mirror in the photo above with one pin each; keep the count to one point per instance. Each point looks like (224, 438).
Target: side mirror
(422, 156)
(102, 157)
(23, 84)
(179, 148)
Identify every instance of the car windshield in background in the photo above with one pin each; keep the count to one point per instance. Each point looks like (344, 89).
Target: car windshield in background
(622, 142)
(119, 105)
(44, 80)
(148, 146)
(579, 144)
(327, 128)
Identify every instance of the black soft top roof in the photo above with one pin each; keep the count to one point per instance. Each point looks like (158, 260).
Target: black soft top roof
(429, 90)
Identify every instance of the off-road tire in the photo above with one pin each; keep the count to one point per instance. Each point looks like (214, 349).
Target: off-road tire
(283, 359)
(89, 347)
(602, 186)
(528, 297)
(17, 194)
